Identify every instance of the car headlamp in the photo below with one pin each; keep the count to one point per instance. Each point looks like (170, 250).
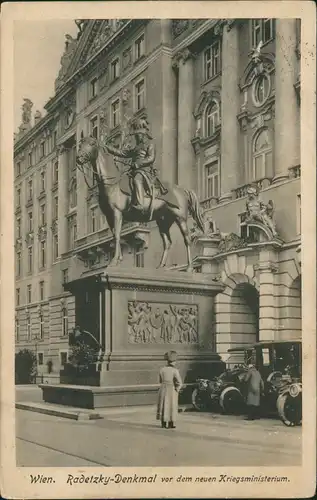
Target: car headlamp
(294, 390)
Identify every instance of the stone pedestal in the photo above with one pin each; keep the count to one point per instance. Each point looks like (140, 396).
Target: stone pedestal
(142, 315)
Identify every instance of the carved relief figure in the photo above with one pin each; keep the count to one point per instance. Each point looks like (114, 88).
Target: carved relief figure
(259, 211)
(161, 323)
(70, 47)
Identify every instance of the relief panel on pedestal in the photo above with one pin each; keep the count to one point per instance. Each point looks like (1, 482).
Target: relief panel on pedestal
(154, 322)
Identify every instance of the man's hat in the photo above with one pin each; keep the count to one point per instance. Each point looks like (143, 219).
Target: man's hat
(141, 126)
(171, 356)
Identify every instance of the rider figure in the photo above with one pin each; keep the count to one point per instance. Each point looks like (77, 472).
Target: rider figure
(142, 156)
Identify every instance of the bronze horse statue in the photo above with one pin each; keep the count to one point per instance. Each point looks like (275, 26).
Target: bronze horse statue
(117, 207)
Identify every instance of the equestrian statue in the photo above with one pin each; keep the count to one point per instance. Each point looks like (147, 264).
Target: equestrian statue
(136, 194)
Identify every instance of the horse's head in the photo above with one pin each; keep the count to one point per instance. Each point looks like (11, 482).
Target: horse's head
(87, 151)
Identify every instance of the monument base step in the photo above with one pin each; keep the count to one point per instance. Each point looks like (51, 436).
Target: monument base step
(92, 397)
(58, 411)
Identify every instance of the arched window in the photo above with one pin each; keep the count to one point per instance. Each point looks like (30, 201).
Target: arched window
(211, 118)
(262, 155)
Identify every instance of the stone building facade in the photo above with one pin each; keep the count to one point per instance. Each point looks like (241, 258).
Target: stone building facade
(223, 101)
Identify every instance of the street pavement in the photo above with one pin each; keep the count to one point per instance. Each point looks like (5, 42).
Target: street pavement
(132, 437)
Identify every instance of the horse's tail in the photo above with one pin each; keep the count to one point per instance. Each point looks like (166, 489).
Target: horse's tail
(194, 208)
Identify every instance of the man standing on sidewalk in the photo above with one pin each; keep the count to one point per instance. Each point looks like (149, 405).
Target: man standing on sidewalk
(255, 387)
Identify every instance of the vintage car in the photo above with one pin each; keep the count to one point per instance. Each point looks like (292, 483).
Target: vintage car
(280, 364)
(221, 393)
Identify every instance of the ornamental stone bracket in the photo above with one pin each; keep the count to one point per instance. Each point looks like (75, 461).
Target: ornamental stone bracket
(18, 244)
(42, 232)
(29, 239)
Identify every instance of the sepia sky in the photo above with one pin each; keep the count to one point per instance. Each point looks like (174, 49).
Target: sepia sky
(38, 47)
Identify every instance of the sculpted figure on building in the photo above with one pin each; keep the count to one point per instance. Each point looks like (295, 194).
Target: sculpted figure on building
(27, 111)
(258, 211)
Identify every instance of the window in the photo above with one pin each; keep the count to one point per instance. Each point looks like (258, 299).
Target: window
(42, 254)
(262, 155)
(94, 129)
(64, 321)
(18, 227)
(115, 69)
(40, 358)
(30, 159)
(42, 181)
(17, 296)
(139, 47)
(42, 149)
(41, 320)
(140, 95)
(65, 275)
(211, 180)
(54, 138)
(139, 256)
(55, 207)
(41, 286)
(63, 357)
(30, 259)
(93, 89)
(55, 173)
(17, 329)
(115, 113)
(94, 226)
(29, 294)
(18, 168)
(30, 222)
(42, 214)
(19, 263)
(262, 30)
(261, 89)
(18, 197)
(30, 190)
(72, 232)
(212, 61)
(28, 328)
(55, 246)
(73, 194)
(298, 214)
(211, 118)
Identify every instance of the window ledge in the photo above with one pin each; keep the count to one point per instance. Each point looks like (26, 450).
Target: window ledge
(205, 82)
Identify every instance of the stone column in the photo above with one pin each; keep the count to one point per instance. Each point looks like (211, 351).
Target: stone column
(286, 127)
(185, 119)
(229, 110)
(62, 200)
(267, 269)
(169, 121)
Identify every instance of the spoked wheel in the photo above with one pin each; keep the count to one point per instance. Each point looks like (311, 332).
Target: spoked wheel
(231, 400)
(290, 409)
(198, 400)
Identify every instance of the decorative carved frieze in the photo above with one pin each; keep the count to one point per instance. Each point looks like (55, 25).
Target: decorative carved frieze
(154, 322)
(69, 51)
(178, 26)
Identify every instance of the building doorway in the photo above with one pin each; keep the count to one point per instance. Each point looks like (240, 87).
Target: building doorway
(244, 317)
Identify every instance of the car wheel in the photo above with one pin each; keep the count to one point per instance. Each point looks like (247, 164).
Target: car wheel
(290, 409)
(197, 400)
(231, 400)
